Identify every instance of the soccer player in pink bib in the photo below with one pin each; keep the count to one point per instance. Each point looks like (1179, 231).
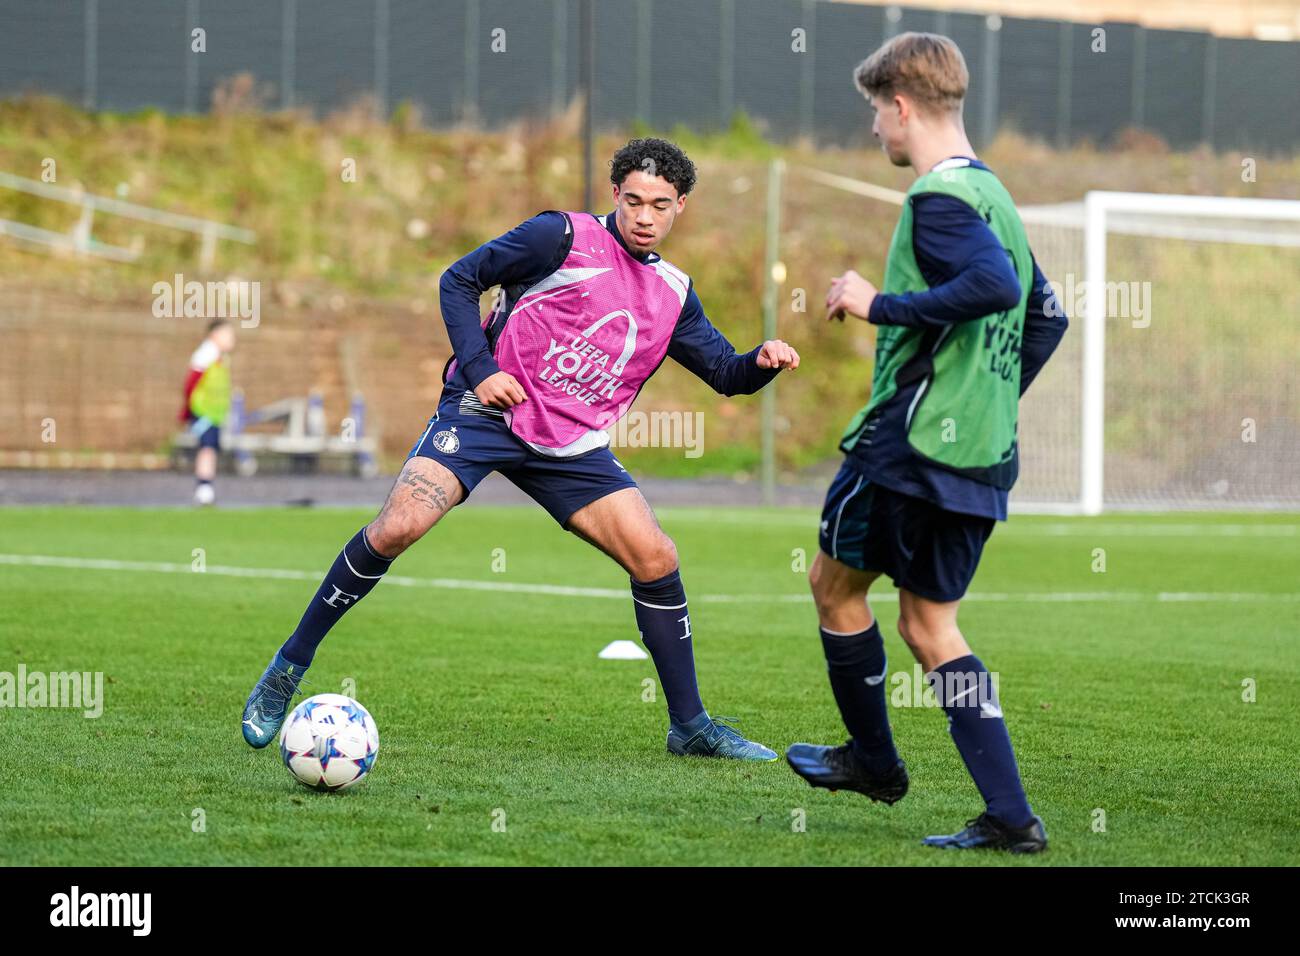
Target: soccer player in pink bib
(588, 311)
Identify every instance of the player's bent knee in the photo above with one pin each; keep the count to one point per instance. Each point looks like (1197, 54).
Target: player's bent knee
(816, 576)
(842, 612)
(919, 634)
(664, 561)
(389, 538)
(830, 588)
(905, 631)
(826, 585)
(394, 531)
(657, 562)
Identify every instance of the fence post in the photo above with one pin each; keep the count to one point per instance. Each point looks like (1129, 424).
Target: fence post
(1207, 96)
(644, 25)
(191, 58)
(81, 232)
(727, 62)
(1138, 105)
(90, 57)
(771, 265)
(208, 249)
(470, 108)
(806, 76)
(288, 50)
(1064, 83)
(587, 72)
(989, 102)
(381, 59)
(559, 55)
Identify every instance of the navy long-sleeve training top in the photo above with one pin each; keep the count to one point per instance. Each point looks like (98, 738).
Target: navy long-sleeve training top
(533, 250)
(970, 276)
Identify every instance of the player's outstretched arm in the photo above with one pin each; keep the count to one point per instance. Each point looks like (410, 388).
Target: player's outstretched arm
(963, 261)
(699, 347)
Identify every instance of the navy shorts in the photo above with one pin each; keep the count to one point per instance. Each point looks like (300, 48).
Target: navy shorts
(925, 549)
(472, 445)
(208, 434)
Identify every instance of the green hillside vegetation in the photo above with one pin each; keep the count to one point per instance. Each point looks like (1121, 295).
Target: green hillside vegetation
(337, 257)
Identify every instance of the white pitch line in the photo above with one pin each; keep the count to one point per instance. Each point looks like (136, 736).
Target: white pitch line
(222, 570)
(1018, 525)
(1083, 528)
(561, 590)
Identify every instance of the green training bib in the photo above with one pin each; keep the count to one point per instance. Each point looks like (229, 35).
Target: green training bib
(964, 414)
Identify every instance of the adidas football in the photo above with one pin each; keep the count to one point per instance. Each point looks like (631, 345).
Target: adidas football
(329, 742)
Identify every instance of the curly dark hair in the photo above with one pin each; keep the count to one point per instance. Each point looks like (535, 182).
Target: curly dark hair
(658, 157)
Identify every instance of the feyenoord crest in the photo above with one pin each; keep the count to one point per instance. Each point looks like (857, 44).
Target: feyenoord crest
(447, 442)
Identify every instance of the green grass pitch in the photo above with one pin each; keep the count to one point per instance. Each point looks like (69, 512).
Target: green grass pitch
(1124, 691)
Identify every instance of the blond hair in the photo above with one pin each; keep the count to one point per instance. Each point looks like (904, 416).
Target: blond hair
(926, 67)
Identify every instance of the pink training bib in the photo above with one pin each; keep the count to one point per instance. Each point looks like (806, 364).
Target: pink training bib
(584, 340)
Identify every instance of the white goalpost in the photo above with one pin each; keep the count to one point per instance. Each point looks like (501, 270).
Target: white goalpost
(1176, 386)
(1185, 305)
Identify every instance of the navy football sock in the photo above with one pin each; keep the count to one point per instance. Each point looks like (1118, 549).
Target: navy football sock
(665, 627)
(856, 666)
(356, 570)
(965, 691)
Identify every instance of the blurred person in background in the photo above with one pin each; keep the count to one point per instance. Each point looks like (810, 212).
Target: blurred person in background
(207, 403)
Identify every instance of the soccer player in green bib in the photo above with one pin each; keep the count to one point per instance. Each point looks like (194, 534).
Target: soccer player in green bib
(965, 321)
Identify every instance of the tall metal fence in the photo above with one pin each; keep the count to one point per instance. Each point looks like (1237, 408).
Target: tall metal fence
(786, 63)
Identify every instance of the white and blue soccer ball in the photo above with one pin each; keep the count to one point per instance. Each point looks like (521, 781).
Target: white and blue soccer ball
(329, 742)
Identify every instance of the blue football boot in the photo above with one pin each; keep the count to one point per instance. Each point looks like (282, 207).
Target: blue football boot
(840, 768)
(987, 832)
(268, 704)
(707, 736)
